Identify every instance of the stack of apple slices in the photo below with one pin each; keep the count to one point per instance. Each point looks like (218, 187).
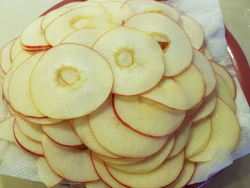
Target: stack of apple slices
(116, 94)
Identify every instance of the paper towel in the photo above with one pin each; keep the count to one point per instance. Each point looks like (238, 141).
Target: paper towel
(207, 13)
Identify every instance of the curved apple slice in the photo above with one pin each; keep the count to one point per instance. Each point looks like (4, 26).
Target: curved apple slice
(20, 58)
(70, 163)
(33, 36)
(29, 129)
(5, 60)
(147, 117)
(6, 85)
(165, 174)
(77, 82)
(178, 53)
(193, 30)
(135, 58)
(220, 70)
(199, 137)
(16, 48)
(140, 6)
(206, 69)
(81, 126)
(28, 144)
(150, 163)
(80, 18)
(62, 133)
(181, 92)
(121, 161)
(225, 132)
(208, 54)
(6, 132)
(43, 120)
(109, 131)
(18, 89)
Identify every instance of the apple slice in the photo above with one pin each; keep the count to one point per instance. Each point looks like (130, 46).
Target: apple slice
(194, 31)
(225, 132)
(70, 163)
(80, 18)
(62, 133)
(28, 144)
(29, 129)
(140, 6)
(181, 138)
(16, 48)
(135, 58)
(121, 161)
(48, 177)
(74, 86)
(6, 127)
(20, 58)
(146, 116)
(205, 67)
(3, 109)
(226, 76)
(103, 173)
(18, 88)
(5, 60)
(97, 184)
(178, 53)
(208, 54)
(222, 90)
(185, 176)
(43, 121)
(199, 137)
(181, 92)
(81, 126)
(150, 163)
(165, 174)
(109, 131)
(6, 85)
(33, 36)
(206, 108)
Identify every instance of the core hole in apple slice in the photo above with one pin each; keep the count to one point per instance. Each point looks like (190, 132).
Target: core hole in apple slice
(135, 58)
(78, 77)
(146, 116)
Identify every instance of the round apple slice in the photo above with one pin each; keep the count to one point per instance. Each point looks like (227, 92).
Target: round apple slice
(109, 131)
(178, 53)
(70, 163)
(62, 133)
(135, 58)
(180, 92)
(86, 17)
(147, 117)
(18, 90)
(78, 80)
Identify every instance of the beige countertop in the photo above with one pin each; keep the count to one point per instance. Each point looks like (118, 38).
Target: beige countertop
(236, 16)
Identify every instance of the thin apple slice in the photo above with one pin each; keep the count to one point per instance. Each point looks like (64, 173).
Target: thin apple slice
(97, 184)
(48, 177)
(199, 137)
(178, 53)
(81, 126)
(147, 117)
(181, 92)
(6, 132)
(6, 85)
(109, 131)
(185, 176)
(150, 163)
(103, 173)
(225, 132)
(205, 67)
(18, 88)
(220, 70)
(135, 58)
(70, 163)
(222, 90)
(140, 6)
(62, 133)
(208, 54)
(121, 161)
(29, 129)
(181, 138)
(28, 144)
(5, 60)
(194, 110)
(33, 36)
(70, 81)
(194, 31)
(16, 48)
(43, 121)
(3, 109)
(20, 58)
(80, 18)
(207, 108)
(165, 174)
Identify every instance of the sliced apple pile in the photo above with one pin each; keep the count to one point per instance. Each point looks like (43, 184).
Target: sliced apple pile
(116, 94)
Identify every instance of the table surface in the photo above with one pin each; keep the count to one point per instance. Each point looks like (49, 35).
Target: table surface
(236, 16)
